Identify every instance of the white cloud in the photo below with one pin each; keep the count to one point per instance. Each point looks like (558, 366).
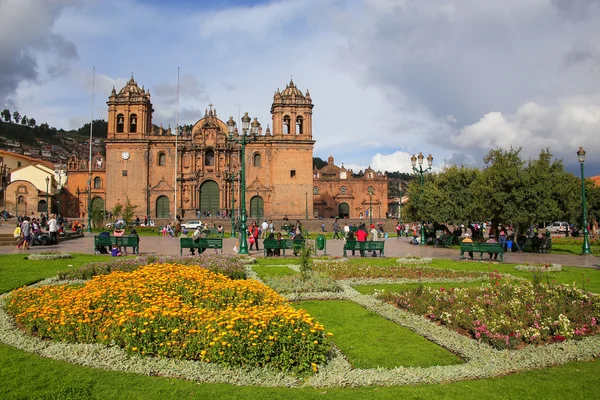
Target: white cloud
(562, 128)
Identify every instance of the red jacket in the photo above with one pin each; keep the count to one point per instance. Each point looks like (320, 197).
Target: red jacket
(361, 235)
(253, 232)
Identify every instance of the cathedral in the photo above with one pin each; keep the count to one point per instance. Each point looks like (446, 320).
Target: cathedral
(198, 170)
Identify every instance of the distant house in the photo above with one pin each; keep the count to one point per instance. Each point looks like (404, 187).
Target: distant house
(46, 153)
(596, 179)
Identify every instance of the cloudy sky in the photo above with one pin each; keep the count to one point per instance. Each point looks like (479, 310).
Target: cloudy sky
(453, 78)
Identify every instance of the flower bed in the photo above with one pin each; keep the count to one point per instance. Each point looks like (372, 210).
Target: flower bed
(348, 270)
(231, 266)
(507, 313)
(414, 260)
(539, 267)
(49, 255)
(177, 311)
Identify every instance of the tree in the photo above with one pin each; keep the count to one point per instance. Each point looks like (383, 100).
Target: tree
(6, 115)
(117, 209)
(32, 122)
(128, 210)
(16, 117)
(25, 120)
(100, 129)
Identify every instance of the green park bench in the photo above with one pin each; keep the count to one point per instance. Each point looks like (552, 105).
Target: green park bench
(201, 244)
(363, 247)
(283, 244)
(120, 241)
(444, 241)
(481, 248)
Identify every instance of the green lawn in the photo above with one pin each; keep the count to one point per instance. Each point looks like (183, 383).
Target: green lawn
(369, 341)
(24, 375)
(273, 271)
(16, 270)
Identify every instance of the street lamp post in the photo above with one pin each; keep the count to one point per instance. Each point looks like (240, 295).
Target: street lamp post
(230, 177)
(421, 172)
(59, 173)
(47, 183)
(370, 205)
(586, 240)
(243, 141)
(306, 204)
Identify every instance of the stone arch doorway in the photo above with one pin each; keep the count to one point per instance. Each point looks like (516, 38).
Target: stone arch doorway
(257, 207)
(209, 197)
(344, 210)
(162, 207)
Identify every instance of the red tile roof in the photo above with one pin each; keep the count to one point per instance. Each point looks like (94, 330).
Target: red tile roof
(596, 179)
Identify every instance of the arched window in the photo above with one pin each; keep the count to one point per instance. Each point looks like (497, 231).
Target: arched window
(162, 159)
(162, 207)
(133, 123)
(120, 123)
(316, 190)
(21, 200)
(286, 124)
(343, 175)
(42, 206)
(209, 158)
(257, 160)
(299, 126)
(97, 183)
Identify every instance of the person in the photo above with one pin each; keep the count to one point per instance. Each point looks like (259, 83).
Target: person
(270, 252)
(196, 236)
(297, 238)
(102, 249)
(492, 239)
(26, 229)
(346, 231)
(263, 229)
(277, 251)
(220, 230)
(169, 231)
(374, 237)
(115, 252)
(253, 235)
(137, 220)
(323, 227)
(361, 236)
(53, 229)
(136, 250)
(467, 239)
(509, 244)
(18, 235)
(502, 238)
(350, 238)
(336, 229)
(398, 231)
(271, 226)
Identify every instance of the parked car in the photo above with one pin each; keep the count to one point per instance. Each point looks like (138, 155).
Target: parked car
(557, 227)
(191, 224)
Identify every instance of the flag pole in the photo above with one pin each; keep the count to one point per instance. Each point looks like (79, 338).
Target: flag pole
(176, 137)
(89, 206)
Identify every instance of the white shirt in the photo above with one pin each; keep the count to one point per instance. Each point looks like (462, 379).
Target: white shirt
(52, 225)
(264, 226)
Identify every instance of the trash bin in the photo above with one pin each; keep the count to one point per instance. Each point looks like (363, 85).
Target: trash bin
(320, 242)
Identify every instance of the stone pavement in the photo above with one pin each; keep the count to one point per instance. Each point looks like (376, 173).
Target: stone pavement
(393, 248)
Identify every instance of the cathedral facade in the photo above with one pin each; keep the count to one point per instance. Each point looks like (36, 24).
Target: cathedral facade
(198, 170)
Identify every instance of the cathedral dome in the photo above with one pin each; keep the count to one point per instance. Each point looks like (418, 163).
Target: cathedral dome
(291, 90)
(131, 88)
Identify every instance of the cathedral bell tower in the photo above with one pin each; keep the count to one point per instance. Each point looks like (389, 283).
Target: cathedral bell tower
(129, 112)
(292, 113)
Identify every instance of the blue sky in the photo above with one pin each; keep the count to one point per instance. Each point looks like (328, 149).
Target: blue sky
(453, 78)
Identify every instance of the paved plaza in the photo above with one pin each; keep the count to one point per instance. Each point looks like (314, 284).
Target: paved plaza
(393, 248)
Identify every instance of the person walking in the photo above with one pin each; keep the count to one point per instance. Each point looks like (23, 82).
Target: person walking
(253, 235)
(53, 229)
(336, 229)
